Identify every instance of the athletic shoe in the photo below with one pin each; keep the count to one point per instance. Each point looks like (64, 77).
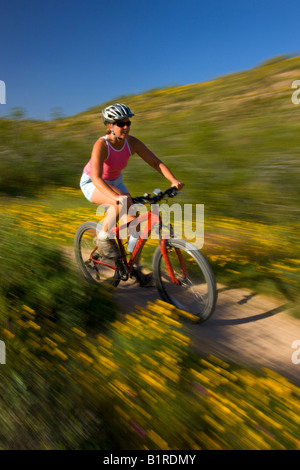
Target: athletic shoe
(108, 248)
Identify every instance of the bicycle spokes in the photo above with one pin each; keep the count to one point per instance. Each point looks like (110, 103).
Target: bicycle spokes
(182, 279)
(93, 264)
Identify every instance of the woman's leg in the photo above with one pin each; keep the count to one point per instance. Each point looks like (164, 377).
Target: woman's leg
(114, 211)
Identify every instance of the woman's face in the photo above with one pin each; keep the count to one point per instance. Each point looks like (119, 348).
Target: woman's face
(121, 128)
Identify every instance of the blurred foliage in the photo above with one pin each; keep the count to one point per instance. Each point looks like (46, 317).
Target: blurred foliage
(32, 160)
(137, 386)
(80, 374)
(233, 141)
(251, 254)
(40, 276)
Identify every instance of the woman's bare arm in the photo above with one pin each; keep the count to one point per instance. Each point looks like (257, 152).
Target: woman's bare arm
(145, 153)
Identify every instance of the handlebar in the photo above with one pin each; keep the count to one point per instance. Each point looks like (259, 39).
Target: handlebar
(148, 199)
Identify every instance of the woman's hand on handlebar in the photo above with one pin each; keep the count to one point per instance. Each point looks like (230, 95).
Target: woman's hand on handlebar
(177, 184)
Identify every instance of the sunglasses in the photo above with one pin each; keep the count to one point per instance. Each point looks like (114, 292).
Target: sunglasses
(123, 124)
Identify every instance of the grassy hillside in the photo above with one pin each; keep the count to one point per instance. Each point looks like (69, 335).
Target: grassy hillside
(234, 141)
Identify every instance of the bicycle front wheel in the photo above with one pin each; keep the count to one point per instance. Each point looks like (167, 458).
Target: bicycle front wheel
(193, 286)
(88, 257)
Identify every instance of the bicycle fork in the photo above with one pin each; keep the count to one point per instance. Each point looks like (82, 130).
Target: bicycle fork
(164, 251)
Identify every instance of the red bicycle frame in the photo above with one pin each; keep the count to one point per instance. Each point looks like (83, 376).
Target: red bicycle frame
(152, 218)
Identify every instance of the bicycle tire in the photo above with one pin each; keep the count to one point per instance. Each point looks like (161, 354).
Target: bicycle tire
(84, 245)
(181, 296)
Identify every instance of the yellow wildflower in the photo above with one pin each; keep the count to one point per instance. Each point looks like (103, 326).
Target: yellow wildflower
(8, 333)
(78, 332)
(161, 443)
(34, 325)
(86, 358)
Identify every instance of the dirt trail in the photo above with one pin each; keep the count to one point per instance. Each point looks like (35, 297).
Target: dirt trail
(245, 328)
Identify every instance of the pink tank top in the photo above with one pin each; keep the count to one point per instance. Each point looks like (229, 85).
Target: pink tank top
(115, 162)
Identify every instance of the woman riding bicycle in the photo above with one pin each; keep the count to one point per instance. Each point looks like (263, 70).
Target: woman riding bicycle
(102, 182)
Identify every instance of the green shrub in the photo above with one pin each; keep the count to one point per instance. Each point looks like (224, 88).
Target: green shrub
(42, 277)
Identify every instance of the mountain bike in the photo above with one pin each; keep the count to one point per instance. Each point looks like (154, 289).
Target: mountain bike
(182, 275)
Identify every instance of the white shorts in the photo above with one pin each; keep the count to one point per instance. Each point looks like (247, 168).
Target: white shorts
(87, 186)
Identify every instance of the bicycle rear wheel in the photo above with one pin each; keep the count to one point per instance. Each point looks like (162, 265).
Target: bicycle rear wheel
(87, 255)
(195, 290)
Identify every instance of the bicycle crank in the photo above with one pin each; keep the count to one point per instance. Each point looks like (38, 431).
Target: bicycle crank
(122, 270)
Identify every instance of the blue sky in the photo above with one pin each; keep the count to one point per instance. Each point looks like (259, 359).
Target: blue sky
(77, 54)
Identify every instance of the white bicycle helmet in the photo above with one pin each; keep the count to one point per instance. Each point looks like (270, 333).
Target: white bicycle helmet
(116, 112)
